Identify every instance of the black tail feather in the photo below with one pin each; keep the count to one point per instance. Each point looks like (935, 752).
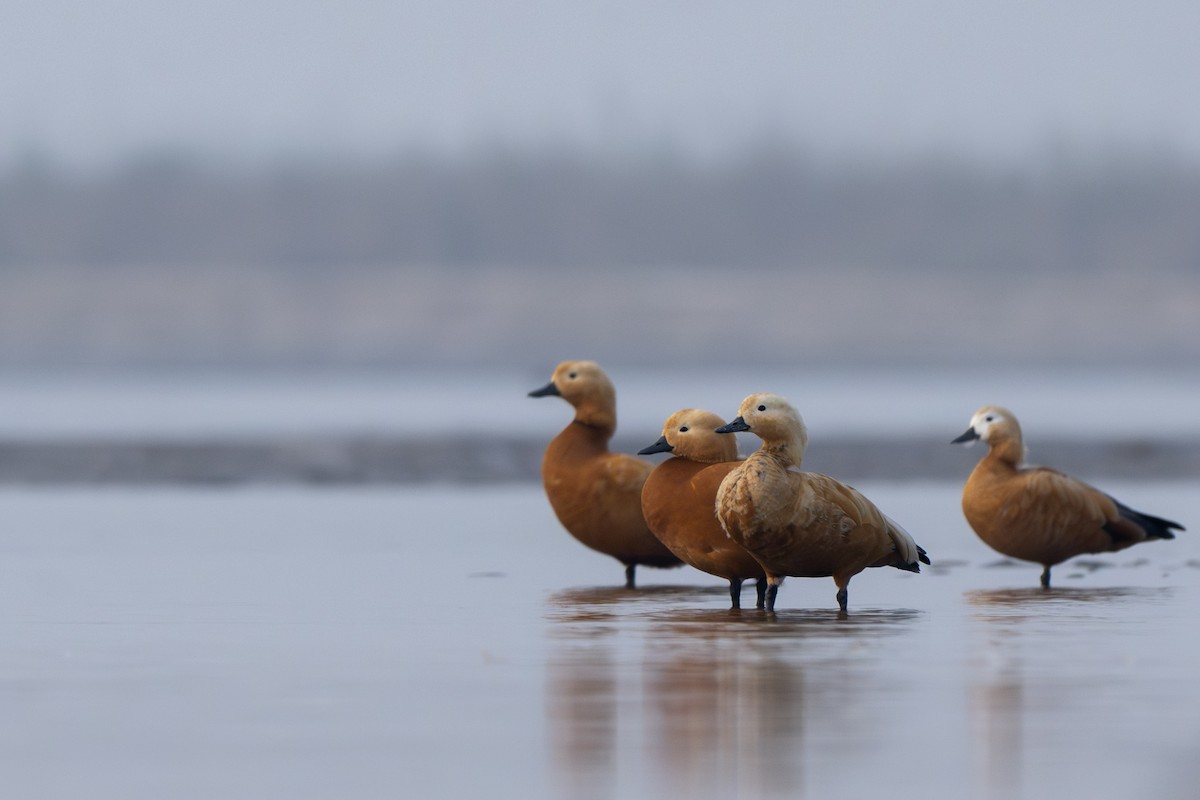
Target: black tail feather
(1155, 527)
(893, 560)
(922, 558)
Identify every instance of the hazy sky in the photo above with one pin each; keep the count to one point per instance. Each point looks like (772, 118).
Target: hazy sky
(93, 80)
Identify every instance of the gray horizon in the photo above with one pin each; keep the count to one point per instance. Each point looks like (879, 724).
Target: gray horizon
(1003, 82)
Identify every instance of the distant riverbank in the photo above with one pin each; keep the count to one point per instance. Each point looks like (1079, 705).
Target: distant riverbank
(407, 459)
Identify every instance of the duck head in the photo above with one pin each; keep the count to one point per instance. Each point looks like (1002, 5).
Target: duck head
(990, 423)
(998, 429)
(775, 421)
(586, 387)
(692, 434)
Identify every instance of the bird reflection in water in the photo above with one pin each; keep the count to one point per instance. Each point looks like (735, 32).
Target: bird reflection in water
(582, 709)
(701, 702)
(1028, 603)
(996, 713)
(588, 684)
(724, 714)
(1011, 691)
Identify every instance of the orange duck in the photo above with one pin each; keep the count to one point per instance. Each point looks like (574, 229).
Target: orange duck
(1039, 514)
(801, 523)
(596, 494)
(679, 500)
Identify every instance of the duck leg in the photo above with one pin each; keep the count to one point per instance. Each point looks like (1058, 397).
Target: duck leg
(772, 590)
(735, 592)
(843, 594)
(630, 569)
(1046, 577)
(760, 588)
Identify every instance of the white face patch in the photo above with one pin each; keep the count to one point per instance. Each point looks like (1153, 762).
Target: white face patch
(983, 422)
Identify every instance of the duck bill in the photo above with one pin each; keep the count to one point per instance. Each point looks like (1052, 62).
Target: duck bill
(966, 438)
(737, 426)
(661, 446)
(549, 390)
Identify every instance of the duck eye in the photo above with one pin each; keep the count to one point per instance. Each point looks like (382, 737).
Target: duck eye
(989, 418)
(571, 376)
(683, 429)
(762, 408)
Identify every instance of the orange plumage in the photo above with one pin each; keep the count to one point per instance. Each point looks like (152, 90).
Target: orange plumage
(1038, 514)
(800, 523)
(679, 499)
(597, 494)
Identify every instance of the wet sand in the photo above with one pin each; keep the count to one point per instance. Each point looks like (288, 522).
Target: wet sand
(445, 641)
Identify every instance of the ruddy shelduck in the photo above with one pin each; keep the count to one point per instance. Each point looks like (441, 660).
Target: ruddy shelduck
(679, 499)
(1039, 514)
(597, 494)
(799, 523)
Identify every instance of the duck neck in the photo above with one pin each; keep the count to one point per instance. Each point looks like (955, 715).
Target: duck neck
(597, 407)
(598, 418)
(711, 458)
(1009, 451)
(786, 452)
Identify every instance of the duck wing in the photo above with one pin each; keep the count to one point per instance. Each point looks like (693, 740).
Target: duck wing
(906, 553)
(1063, 501)
(1048, 490)
(625, 472)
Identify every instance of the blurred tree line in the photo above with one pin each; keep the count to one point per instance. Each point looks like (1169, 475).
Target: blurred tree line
(773, 209)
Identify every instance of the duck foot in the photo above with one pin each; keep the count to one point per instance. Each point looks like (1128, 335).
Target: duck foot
(629, 576)
(842, 597)
(1046, 578)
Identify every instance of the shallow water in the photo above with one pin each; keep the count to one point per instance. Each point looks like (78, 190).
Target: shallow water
(449, 642)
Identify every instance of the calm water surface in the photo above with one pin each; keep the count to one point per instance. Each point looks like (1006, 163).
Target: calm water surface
(451, 642)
